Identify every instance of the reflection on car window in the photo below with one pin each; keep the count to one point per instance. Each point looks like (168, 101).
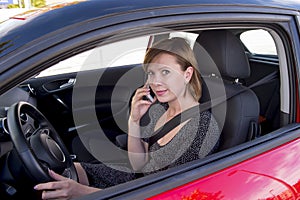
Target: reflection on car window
(259, 42)
(125, 52)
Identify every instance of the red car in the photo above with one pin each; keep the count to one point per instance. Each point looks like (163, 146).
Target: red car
(68, 72)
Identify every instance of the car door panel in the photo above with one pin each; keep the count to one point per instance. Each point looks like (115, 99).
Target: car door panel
(59, 85)
(256, 178)
(110, 103)
(251, 179)
(49, 95)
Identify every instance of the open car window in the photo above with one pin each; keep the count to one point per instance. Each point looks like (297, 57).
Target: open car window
(127, 56)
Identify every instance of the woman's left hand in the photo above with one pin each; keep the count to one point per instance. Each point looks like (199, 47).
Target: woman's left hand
(63, 188)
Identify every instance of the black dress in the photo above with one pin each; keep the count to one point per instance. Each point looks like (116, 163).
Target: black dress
(196, 139)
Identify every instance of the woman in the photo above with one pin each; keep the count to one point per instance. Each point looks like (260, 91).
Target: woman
(174, 79)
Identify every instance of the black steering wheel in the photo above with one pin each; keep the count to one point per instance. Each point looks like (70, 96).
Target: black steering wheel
(37, 143)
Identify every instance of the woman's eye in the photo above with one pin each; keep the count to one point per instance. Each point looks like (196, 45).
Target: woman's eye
(149, 73)
(165, 72)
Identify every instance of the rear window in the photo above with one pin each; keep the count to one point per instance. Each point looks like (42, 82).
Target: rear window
(259, 42)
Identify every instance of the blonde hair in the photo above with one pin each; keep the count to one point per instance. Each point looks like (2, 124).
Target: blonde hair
(185, 57)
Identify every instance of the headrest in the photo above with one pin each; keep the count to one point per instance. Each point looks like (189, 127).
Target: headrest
(221, 49)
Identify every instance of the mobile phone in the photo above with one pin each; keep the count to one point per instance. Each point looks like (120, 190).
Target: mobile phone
(149, 97)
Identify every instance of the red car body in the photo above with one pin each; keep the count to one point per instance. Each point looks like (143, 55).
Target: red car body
(254, 178)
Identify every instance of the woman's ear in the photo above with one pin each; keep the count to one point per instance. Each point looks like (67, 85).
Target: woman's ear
(188, 73)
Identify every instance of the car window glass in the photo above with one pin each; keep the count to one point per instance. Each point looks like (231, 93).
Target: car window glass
(126, 52)
(259, 42)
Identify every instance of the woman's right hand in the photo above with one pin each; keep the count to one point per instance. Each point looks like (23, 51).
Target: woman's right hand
(139, 105)
(63, 188)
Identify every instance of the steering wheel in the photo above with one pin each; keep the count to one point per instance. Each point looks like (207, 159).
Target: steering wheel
(37, 143)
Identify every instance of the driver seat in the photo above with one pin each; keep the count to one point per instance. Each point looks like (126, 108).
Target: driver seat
(223, 64)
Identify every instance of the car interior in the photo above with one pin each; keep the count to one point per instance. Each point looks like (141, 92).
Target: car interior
(89, 107)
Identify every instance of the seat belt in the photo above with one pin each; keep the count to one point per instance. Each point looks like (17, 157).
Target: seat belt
(185, 115)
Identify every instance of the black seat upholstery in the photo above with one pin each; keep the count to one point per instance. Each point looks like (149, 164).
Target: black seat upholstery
(222, 63)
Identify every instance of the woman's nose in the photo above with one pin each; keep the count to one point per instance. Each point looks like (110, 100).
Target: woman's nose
(155, 82)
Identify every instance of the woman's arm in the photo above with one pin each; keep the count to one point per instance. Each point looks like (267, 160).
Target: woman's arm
(137, 149)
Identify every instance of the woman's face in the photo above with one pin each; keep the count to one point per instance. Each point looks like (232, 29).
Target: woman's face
(166, 78)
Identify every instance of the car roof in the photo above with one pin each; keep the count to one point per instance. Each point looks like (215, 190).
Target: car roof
(38, 22)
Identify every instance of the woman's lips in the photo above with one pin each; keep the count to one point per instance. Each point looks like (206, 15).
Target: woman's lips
(160, 92)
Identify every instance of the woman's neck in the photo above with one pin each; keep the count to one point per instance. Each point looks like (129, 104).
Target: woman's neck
(178, 106)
